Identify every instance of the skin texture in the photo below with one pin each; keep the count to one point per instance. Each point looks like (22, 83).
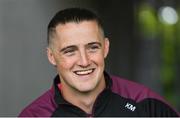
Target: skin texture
(78, 51)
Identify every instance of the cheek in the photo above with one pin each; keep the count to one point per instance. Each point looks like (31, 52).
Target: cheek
(66, 63)
(98, 59)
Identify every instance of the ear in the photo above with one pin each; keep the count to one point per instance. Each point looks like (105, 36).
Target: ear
(106, 47)
(50, 56)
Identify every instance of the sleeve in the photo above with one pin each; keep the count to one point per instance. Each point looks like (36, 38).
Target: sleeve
(157, 108)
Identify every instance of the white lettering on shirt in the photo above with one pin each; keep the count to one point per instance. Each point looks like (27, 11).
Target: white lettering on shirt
(130, 107)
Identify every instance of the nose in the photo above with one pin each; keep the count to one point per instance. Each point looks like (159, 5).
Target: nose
(83, 59)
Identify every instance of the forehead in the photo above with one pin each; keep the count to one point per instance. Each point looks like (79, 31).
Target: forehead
(73, 32)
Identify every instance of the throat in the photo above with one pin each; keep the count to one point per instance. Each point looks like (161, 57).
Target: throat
(83, 100)
(86, 104)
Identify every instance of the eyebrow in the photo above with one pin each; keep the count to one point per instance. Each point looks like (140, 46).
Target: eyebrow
(75, 47)
(97, 43)
(71, 46)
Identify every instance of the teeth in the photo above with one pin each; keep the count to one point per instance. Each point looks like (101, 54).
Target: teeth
(84, 72)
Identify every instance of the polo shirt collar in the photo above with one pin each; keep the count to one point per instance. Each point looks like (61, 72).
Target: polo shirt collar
(58, 96)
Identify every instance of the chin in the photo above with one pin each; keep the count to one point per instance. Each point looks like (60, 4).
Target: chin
(86, 89)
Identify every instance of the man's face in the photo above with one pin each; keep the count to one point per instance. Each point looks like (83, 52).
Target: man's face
(78, 51)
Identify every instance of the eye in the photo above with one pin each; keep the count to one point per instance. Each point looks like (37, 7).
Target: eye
(94, 48)
(69, 52)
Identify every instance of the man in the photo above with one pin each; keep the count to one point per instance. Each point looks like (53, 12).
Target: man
(77, 47)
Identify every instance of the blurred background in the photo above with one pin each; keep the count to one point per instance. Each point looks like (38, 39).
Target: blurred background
(144, 36)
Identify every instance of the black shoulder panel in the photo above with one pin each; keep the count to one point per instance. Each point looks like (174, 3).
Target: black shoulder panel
(156, 108)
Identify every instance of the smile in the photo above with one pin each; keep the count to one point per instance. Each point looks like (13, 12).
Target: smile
(84, 72)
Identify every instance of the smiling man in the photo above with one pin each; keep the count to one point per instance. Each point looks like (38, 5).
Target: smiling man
(77, 47)
(78, 50)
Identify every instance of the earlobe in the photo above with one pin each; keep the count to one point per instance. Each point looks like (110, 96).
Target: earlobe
(106, 47)
(50, 56)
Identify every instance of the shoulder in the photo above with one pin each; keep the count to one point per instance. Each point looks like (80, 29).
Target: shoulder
(42, 106)
(156, 108)
(138, 93)
(132, 90)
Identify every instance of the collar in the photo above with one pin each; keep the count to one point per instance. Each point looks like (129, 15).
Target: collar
(57, 87)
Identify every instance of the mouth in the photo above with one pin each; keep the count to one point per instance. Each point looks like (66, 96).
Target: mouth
(84, 72)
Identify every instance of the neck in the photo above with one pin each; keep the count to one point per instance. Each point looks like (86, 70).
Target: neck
(83, 100)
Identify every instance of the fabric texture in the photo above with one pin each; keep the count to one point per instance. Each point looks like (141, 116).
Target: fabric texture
(120, 98)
